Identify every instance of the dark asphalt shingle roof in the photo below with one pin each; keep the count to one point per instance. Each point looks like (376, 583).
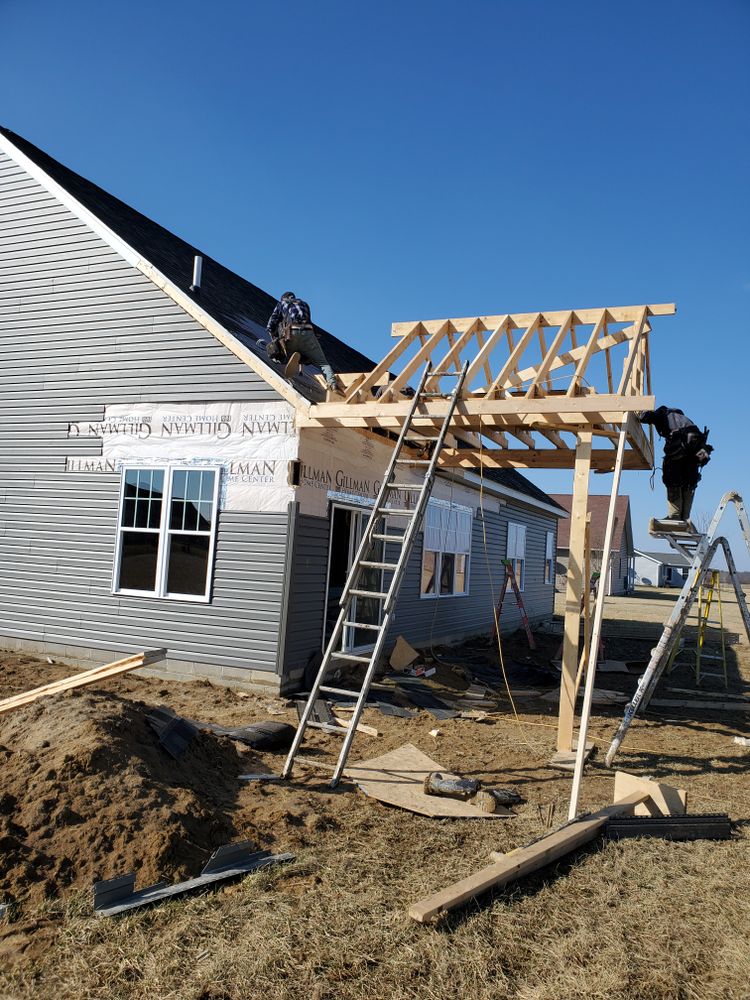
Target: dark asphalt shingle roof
(240, 306)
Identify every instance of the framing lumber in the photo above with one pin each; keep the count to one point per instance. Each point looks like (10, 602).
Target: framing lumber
(573, 593)
(582, 317)
(84, 678)
(593, 649)
(523, 861)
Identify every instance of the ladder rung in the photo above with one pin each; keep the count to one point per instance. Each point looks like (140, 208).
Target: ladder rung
(398, 511)
(413, 461)
(446, 372)
(378, 565)
(348, 694)
(404, 486)
(351, 657)
(432, 394)
(389, 538)
(372, 628)
(368, 593)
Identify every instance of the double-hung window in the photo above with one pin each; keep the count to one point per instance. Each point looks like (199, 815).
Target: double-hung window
(446, 549)
(517, 551)
(166, 532)
(549, 558)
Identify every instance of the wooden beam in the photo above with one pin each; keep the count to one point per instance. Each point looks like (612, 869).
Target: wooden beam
(453, 355)
(597, 626)
(515, 355)
(83, 678)
(589, 349)
(633, 352)
(385, 365)
(482, 358)
(552, 353)
(523, 861)
(583, 411)
(573, 592)
(582, 317)
(602, 459)
(419, 359)
(575, 354)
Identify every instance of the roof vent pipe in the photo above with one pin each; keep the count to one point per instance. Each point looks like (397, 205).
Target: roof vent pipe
(197, 274)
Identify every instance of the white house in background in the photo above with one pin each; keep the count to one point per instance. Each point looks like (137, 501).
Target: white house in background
(660, 569)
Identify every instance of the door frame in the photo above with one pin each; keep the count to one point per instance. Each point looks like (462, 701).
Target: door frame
(358, 509)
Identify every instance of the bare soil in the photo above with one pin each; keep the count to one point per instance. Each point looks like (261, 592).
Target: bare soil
(86, 793)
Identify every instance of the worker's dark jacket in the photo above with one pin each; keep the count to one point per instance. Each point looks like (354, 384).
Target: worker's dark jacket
(682, 441)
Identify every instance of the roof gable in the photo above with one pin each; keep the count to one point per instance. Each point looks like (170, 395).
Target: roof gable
(598, 507)
(239, 307)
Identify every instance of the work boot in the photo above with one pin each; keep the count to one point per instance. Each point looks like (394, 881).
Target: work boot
(292, 365)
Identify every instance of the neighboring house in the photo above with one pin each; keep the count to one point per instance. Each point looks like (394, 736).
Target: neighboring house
(620, 579)
(660, 569)
(155, 489)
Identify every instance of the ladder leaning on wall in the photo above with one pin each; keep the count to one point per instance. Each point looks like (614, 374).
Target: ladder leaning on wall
(374, 533)
(700, 549)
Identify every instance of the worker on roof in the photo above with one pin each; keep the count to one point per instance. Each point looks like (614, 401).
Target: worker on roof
(686, 451)
(294, 338)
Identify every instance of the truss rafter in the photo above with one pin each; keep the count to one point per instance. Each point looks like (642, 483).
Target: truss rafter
(532, 377)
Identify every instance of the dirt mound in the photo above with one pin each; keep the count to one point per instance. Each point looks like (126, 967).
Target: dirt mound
(86, 793)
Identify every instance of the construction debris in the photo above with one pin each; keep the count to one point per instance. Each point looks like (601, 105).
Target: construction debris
(118, 895)
(84, 678)
(688, 827)
(403, 654)
(661, 800)
(509, 867)
(453, 786)
(397, 778)
(176, 732)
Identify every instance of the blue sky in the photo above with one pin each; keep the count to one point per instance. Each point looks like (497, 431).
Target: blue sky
(407, 160)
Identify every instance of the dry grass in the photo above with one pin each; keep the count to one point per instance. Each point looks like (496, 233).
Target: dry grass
(642, 920)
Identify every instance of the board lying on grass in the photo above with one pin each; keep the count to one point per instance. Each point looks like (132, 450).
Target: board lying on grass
(84, 677)
(525, 860)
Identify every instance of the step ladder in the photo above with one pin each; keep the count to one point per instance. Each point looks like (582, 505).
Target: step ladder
(700, 549)
(510, 578)
(709, 591)
(355, 587)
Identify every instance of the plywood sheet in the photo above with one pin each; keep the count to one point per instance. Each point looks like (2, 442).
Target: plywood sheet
(397, 778)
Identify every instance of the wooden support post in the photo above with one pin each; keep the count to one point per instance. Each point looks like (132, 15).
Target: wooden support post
(573, 592)
(588, 692)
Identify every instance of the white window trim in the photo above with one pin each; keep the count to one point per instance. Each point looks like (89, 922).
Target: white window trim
(513, 557)
(164, 532)
(439, 561)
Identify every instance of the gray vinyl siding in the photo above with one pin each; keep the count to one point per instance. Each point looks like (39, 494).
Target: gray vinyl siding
(307, 592)
(425, 620)
(422, 621)
(79, 329)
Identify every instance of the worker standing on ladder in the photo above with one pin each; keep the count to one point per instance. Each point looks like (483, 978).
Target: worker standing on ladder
(293, 337)
(685, 453)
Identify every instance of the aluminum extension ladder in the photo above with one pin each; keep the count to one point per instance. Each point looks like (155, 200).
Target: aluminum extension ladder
(700, 549)
(353, 587)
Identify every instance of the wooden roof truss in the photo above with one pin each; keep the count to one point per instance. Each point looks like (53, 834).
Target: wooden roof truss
(531, 386)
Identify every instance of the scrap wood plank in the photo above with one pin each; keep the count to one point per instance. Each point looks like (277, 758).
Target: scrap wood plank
(84, 678)
(522, 861)
(663, 800)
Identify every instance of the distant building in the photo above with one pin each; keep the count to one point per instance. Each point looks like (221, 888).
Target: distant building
(660, 569)
(621, 575)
